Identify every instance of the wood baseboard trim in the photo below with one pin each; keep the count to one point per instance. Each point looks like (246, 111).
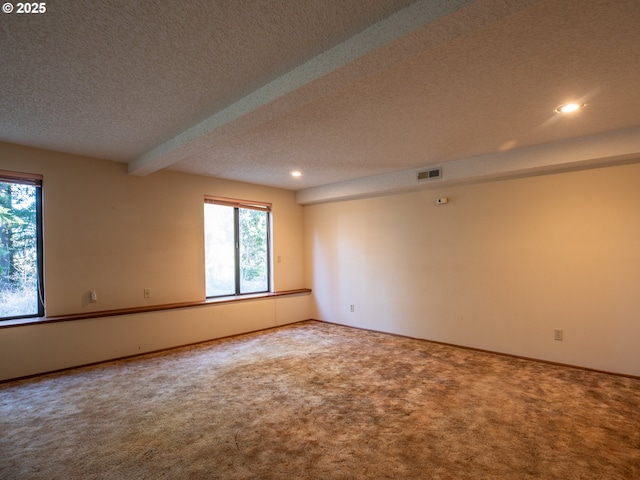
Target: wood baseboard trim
(565, 365)
(502, 354)
(141, 354)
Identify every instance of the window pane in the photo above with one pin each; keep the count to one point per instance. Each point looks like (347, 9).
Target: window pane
(19, 266)
(253, 251)
(219, 250)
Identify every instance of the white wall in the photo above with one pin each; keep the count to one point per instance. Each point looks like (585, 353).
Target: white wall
(499, 267)
(119, 234)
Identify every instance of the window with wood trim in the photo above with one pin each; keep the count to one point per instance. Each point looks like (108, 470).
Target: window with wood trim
(21, 278)
(237, 247)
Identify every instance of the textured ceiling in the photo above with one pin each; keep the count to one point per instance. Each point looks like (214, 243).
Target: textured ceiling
(344, 89)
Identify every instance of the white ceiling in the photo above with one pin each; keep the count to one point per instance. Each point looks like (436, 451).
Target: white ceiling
(339, 89)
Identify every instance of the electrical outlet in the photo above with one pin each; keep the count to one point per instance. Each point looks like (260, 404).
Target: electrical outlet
(352, 308)
(558, 334)
(147, 293)
(93, 296)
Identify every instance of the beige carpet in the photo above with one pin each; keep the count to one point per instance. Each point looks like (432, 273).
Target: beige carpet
(319, 401)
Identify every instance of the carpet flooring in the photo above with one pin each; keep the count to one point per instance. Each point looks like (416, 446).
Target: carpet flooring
(320, 401)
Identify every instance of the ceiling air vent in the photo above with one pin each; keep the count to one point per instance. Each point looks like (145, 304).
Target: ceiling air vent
(430, 174)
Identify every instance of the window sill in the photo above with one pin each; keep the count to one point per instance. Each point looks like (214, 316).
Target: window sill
(152, 308)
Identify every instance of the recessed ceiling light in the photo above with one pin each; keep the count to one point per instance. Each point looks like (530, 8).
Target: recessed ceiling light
(296, 173)
(569, 107)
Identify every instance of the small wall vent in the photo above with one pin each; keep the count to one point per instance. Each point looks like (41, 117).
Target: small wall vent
(430, 174)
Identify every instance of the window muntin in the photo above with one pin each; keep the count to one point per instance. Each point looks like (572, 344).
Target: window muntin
(237, 246)
(21, 278)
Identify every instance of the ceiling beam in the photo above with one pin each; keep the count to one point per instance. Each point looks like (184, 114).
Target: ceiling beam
(609, 148)
(396, 26)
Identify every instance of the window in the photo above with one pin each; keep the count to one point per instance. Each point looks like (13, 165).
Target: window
(21, 288)
(236, 246)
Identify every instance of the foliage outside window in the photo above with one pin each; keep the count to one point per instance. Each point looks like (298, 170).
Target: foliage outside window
(236, 247)
(21, 291)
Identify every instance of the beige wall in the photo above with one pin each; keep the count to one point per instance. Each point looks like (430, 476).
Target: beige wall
(499, 267)
(31, 349)
(119, 234)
